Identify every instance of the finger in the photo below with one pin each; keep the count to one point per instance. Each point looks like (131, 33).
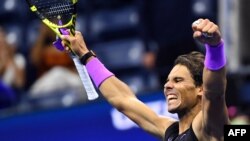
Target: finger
(78, 35)
(68, 49)
(196, 23)
(197, 34)
(65, 37)
(77, 32)
(207, 27)
(64, 43)
(202, 24)
(213, 29)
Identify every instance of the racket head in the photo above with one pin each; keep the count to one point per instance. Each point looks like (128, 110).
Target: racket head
(56, 14)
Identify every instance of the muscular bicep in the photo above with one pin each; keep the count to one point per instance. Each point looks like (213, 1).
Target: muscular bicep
(119, 95)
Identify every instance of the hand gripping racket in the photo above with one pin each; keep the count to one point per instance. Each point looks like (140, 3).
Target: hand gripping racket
(60, 15)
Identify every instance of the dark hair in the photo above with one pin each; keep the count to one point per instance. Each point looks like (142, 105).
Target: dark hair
(194, 61)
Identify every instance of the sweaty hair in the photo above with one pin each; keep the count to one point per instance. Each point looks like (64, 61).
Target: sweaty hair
(194, 61)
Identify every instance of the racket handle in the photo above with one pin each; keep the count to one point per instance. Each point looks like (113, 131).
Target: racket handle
(81, 69)
(87, 83)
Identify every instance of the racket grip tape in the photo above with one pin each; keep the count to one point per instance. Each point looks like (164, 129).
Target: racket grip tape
(84, 76)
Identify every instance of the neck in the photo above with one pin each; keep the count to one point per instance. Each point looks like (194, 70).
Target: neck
(186, 118)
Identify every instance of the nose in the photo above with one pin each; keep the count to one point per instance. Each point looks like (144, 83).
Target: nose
(168, 85)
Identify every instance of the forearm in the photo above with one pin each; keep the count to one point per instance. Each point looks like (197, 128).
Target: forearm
(110, 86)
(214, 82)
(116, 92)
(216, 115)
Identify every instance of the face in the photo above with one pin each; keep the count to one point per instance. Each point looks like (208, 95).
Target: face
(180, 91)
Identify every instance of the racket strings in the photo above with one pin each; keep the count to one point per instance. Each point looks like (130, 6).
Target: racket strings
(60, 9)
(54, 8)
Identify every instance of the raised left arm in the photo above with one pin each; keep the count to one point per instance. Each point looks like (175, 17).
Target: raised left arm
(214, 114)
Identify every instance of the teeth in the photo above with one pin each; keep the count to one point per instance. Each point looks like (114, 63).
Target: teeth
(170, 97)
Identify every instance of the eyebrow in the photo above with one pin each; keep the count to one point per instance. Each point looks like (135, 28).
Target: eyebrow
(175, 77)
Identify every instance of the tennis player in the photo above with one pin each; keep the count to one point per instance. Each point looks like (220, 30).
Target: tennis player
(194, 89)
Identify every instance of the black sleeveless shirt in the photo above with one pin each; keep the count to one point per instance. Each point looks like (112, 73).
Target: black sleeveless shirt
(172, 134)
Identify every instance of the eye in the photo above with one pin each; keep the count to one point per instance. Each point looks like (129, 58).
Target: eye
(178, 79)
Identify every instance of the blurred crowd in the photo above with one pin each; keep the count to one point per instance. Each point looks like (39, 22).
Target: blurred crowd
(12, 72)
(53, 71)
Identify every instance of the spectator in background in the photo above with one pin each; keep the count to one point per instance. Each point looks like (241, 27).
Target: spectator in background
(44, 56)
(55, 70)
(12, 65)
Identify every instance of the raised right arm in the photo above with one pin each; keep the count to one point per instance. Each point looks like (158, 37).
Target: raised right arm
(119, 95)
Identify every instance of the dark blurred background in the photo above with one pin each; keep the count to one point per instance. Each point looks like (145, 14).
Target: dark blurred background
(138, 40)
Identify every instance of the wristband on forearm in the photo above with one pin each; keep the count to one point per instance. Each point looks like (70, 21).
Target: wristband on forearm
(215, 57)
(97, 71)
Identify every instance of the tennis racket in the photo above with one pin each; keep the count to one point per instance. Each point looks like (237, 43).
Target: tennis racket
(59, 16)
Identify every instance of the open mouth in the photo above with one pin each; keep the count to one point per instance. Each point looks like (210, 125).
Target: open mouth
(171, 97)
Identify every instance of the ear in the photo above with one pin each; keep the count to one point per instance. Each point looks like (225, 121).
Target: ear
(200, 90)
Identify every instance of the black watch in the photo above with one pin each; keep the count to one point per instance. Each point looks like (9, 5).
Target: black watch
(86, 56)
